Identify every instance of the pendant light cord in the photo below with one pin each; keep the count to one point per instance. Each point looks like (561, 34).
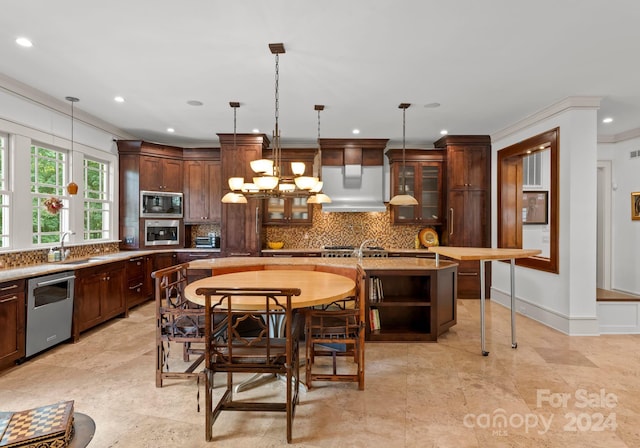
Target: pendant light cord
(404, 184)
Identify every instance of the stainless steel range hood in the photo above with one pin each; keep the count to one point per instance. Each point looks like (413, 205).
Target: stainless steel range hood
(354, 188)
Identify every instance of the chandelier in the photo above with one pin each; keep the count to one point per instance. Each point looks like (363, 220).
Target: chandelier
(403, 198)
(270, 180)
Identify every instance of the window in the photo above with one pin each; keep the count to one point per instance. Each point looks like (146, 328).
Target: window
(4, 193)
(48, 178)
(97, 205)
(532, 170)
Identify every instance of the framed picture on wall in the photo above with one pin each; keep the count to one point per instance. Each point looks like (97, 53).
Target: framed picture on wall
(635, 206)
(535, 207)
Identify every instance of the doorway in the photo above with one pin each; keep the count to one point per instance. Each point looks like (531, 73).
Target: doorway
(603, 231)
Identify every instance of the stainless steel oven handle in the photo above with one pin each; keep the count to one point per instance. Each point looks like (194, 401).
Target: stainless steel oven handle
(53, 282)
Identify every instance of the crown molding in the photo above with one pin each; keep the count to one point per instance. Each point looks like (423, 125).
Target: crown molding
(572, 102)
(621, 137)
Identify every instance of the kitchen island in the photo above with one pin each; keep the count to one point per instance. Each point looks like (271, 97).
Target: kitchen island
(406, 299)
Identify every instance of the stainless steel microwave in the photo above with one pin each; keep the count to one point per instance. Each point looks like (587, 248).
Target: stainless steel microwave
(161, 204)
(162, 232)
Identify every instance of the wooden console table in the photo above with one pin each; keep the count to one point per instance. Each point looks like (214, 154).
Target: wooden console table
(484, 254)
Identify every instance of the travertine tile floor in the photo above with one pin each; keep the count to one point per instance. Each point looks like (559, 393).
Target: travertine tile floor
(552, 391)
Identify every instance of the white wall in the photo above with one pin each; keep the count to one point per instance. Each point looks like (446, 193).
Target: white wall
(625, 233)
(29, 117)
(565, 301)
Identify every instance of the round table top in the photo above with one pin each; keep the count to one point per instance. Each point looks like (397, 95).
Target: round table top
(316, 288)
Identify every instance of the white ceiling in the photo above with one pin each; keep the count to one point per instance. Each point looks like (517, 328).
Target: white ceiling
(488, 63)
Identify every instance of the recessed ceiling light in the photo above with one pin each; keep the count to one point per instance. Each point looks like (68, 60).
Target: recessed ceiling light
(195, 103)
(444, 132)
(256, 131)
(355, 131)
(432, 105)
(607, 120)
(171, 130)
(119, 99)
(24, 42)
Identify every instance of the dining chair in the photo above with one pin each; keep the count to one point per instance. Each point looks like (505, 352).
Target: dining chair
(336, 330)
(178, 321)
(271, 350)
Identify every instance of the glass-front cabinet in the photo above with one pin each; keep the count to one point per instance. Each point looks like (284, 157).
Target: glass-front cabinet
(422, 180)
(287, 211)
(291, 210)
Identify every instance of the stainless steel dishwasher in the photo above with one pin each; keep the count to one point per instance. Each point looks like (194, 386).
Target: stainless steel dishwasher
(49, 311)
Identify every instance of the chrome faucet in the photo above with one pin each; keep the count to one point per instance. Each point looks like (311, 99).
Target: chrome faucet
(358, 252)
(65, 253)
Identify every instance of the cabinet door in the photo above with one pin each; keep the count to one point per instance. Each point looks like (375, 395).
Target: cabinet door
(456, 219)
(405, 214)
(476, 160)
(214, 193)
(164, 260)
(12, 323)
(150, 173)
(88, 299)
(195, 189)
(172, 175)
(113, 293)
(430, 193)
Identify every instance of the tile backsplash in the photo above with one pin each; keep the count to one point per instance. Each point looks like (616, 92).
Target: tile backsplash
(38, 256)
(348, 229)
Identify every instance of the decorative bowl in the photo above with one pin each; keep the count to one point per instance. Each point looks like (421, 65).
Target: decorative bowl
(275, 244)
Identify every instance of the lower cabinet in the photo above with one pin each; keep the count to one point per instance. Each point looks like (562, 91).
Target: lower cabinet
(99, 295)
(12, 322)
(409, 305)
(139, 281)
(196, 274)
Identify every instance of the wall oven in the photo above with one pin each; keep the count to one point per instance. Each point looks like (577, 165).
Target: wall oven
(160, 204)
(49, 311)
(162, 232)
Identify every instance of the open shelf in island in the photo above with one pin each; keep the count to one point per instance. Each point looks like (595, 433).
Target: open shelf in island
(409, 305)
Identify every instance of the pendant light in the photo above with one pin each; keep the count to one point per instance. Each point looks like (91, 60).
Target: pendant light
(318, 197)
(403, 198)
(235, 183)
(72, 187)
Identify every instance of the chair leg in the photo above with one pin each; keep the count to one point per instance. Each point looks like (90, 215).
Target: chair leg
(159, 363)
(208, 386)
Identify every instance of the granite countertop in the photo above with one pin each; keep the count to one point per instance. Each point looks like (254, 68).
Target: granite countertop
(71, 264)
(395, 263)
(319, 250)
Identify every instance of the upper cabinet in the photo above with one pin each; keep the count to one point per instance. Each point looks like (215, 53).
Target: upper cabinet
(241, 224)
(423, 180)
(468, 190)
(202, 185)
(289, 211)
(160, 174)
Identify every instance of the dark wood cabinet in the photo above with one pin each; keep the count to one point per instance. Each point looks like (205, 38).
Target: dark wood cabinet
(144, 166)
(423, 180)
(164, 260)
(160, 174)
(139, 286)
(12, 322)
(202, 185)
(411, 305)
(99, 295)
(241, 224)
(291, 211)
(468, 207)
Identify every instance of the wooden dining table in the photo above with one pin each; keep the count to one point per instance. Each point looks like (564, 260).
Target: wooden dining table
(316, 288)
(484, 254)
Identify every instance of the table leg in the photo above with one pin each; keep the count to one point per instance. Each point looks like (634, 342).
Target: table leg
(482, 298)
(514, 344)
